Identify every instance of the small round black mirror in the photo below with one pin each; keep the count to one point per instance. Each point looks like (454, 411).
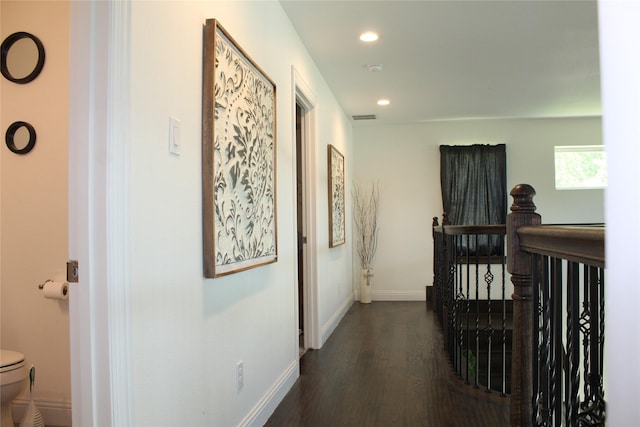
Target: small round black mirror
(20, 137)
(22, 57)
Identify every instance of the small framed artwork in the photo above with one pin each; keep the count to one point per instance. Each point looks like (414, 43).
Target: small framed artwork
(238, 158)
(336, 198)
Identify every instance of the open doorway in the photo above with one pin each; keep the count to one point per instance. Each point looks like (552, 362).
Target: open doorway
(306, 269)
(300, 224)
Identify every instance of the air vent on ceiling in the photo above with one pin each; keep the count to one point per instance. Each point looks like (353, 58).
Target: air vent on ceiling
(364, 117)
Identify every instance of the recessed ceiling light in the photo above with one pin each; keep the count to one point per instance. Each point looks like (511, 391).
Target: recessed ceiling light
(383, 102)
(369, 36)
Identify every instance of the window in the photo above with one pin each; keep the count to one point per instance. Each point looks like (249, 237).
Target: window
(580, 167)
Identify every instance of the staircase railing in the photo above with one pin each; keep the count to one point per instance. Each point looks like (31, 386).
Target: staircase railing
(551, 320)
(558, 273)
(472, 301)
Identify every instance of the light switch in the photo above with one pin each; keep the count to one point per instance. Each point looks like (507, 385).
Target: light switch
(174, 135)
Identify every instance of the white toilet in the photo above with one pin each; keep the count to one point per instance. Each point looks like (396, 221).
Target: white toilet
(13, 380)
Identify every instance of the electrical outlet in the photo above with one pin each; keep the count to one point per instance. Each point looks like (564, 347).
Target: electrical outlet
(240, 374)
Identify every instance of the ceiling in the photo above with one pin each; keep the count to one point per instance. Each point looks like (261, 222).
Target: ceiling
(455, 60)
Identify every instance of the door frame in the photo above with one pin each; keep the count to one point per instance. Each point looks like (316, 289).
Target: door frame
(99, 304)
(307, 100)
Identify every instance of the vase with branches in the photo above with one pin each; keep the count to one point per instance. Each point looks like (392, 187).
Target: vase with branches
(366, 204)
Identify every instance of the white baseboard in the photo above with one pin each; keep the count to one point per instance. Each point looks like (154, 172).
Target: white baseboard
(53, 413)
(399, 295)
(261, 412)
(334, 321)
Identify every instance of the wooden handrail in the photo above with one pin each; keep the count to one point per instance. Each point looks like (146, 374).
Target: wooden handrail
(580, 244)
(484, 229)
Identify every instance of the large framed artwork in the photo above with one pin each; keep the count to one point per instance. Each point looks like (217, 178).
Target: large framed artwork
(336, 197)
(238, 158)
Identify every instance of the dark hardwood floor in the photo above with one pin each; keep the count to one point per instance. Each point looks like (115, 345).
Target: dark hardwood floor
(385, 366)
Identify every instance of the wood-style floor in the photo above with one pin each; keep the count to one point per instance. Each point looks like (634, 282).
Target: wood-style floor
(384, 365)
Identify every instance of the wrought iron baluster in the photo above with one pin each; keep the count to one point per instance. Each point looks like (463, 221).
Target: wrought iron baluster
(488, 279)
(600, 400)
(468, 316)
(544, 310)
(573, 344)
(557, 347)
(437, 253)
(585, 324)
(477, 283)
(593, 408)
(451, 262)
(444, 280)
(504, 324)
(457, 321)
(461, 301)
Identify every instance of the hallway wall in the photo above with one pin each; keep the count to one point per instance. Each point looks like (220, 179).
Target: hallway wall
(189, 333)
(620, 66)
(405, 159)
(33, 202)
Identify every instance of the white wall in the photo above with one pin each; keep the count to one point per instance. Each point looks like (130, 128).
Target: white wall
(33, 201)
(188, 332)
(620, 64)
(405, 159)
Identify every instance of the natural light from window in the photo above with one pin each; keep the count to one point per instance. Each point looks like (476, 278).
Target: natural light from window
(580, 167)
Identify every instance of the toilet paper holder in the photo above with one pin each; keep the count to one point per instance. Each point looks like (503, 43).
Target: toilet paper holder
(54, 290)
(41, 285)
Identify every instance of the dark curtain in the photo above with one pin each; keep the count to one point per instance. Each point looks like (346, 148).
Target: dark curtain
(473, 179)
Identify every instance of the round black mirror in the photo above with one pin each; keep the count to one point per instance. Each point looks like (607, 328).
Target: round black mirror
(20, 137)
(22, 57)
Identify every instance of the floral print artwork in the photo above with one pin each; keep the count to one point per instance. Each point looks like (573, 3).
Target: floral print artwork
(336, 198)
(244, 208)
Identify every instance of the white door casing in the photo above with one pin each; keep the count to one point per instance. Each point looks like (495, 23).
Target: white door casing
(99, 308)
(304, 96)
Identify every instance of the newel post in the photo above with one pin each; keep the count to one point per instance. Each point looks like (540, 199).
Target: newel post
(519, 266)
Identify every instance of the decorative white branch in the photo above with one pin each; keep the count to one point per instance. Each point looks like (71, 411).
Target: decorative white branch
(365, 218)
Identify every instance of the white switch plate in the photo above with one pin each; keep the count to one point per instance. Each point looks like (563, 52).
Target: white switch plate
(174, 135)
(240, 375)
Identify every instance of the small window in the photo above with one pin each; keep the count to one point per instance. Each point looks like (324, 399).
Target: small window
(580, 167)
